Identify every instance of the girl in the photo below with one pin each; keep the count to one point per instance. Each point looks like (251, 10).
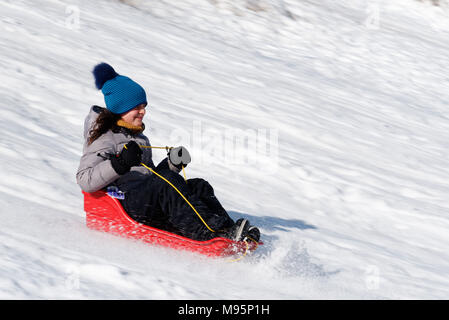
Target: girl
(116, 153)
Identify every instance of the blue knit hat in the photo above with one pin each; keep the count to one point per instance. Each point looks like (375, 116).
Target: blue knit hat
(121, 94)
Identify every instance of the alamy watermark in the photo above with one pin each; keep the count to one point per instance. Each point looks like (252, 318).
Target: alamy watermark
(372, 21)
(72, 278)
(72, 20)
(231, 146)
(372, 277)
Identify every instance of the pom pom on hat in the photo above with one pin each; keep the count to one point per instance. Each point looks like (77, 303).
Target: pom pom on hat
(103, 72)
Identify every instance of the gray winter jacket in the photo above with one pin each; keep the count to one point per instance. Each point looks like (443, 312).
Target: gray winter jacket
(95, 171)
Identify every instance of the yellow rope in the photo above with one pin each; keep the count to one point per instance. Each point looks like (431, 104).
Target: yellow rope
(199, 216)
(242, 256)
(167, 148)
(257, 243)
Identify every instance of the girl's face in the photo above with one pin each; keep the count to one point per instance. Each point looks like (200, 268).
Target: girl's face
(135, 116)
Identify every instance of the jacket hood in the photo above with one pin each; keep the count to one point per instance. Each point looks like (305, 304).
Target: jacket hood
(90, 119)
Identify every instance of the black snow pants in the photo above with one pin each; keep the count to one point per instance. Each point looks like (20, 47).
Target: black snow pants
(155, 203)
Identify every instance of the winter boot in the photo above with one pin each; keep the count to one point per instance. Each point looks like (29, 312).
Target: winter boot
(238, 231)
(253, 234)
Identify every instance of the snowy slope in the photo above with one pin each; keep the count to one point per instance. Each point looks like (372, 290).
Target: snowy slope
(350, 96)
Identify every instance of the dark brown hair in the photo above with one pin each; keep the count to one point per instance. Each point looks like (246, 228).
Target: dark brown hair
(106, 120)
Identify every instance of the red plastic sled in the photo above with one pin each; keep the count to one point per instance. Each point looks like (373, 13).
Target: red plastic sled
(105, 213)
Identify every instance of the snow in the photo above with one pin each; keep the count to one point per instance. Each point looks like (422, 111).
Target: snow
(341, 112)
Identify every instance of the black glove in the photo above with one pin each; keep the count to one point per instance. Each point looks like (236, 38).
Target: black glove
(130, 156)
(178, 157)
